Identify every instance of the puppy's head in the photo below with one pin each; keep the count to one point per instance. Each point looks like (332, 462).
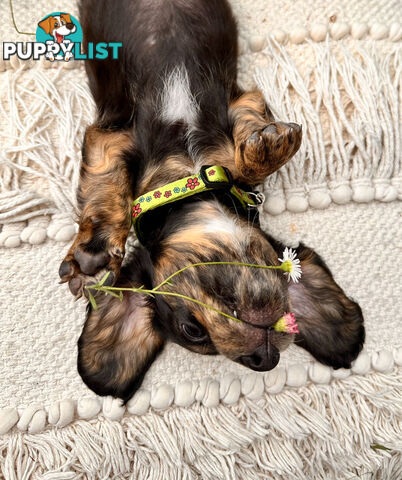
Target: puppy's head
(121, 339)
(58, 26)
(208, 232)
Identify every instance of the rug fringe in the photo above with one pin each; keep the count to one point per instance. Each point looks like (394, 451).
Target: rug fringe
(316, 431)
(48, 113)
(348, 102)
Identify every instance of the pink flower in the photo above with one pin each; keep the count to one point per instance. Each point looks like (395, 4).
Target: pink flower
(168, 194)
(157, 194)
(290, 323)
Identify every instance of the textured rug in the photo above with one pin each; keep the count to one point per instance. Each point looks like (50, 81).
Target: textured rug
(337, 70)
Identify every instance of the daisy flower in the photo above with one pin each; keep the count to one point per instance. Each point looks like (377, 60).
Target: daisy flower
(291, 265)
(286, 324)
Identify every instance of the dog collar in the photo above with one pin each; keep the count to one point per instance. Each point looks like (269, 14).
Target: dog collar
(208, 179)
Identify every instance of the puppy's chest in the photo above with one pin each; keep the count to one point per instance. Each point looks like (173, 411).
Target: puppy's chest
(183, 141)
(178, 101)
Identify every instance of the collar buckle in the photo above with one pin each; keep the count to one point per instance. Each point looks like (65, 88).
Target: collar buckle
(259, 199)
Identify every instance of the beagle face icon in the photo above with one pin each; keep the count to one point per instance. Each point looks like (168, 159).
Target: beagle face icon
(58, 26)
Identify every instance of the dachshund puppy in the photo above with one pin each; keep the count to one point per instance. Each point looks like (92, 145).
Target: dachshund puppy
(168, 106)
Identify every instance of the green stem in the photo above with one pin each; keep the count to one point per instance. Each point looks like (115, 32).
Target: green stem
(101, 288)
(152, 292)
(215, 263)
(15, 25)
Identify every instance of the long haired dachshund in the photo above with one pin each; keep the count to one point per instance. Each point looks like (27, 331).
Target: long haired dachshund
(169, 105)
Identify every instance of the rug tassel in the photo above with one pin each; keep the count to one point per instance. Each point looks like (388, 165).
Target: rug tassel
(314, 431)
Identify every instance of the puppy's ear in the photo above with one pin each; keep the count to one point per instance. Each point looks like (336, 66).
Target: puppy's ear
(46, 25)
(118, 343)
(66, 17)
(330, 324)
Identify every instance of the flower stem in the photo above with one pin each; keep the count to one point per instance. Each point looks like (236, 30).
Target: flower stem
(152, 292)
(216, 263)
(156, 290)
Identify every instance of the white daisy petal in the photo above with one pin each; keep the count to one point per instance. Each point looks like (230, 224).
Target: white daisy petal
(289, 255)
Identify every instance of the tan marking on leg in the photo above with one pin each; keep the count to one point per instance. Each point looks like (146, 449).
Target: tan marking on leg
(104, 197)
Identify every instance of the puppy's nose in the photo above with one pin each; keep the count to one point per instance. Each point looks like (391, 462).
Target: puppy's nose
(264, 358)
(70, 26)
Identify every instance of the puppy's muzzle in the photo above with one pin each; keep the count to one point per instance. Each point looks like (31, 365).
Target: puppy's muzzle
(264, 358)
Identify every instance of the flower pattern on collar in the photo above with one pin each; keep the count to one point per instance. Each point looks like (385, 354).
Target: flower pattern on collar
(137, 210)
(192, 183)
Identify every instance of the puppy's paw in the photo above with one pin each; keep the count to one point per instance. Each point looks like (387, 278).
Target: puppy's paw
(90, 257)
(267, 150)
(282, 140)
(78, 280)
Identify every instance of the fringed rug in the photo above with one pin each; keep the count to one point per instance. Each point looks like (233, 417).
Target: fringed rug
(335, 68)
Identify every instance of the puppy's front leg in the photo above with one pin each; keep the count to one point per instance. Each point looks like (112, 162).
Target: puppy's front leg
(262, 145)
(104, 196)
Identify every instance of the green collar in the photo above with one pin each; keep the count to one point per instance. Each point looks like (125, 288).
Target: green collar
(210, 178)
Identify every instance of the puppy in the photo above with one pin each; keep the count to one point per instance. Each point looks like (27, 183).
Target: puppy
(58, 26)
(168, 106)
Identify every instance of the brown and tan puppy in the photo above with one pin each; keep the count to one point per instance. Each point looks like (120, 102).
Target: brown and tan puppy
(169, 105)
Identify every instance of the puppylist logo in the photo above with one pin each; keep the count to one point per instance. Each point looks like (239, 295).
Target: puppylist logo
(58, 37)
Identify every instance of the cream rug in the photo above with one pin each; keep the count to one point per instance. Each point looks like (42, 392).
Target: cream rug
(200, 417)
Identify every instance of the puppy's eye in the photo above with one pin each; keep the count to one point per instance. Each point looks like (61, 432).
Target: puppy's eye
(194, 332)
(56, 24)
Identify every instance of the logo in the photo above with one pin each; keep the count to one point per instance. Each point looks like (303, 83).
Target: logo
(59, 38)
(59, 31)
